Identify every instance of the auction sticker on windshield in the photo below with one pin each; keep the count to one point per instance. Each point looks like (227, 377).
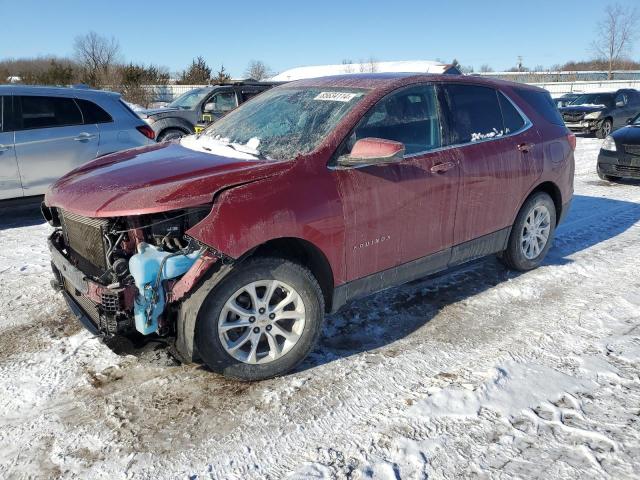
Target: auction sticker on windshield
(337, 96)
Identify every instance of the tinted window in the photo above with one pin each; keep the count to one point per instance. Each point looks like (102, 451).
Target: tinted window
(513, 121)
(246, 95)
(6, 116)
(44, 112)
(475, 113)
(92, 113)
(542, 103)
(223, 102)
(409, 116)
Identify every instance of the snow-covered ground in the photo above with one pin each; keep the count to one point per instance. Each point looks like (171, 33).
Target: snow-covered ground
(481, 373)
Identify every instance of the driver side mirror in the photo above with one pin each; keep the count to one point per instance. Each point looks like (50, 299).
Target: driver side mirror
(210, 107)
(373, 151)
(629, 121)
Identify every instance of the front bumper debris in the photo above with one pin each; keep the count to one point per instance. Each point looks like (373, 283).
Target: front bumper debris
(102, 310)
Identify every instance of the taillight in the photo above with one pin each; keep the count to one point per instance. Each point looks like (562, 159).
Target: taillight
(572, 140)
(147, 131)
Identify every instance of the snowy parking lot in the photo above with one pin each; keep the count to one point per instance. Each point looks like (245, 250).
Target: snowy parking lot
(479, 373)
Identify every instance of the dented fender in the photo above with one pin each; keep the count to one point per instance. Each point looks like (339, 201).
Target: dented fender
(299, 204)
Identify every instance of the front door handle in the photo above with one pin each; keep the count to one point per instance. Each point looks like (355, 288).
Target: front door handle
(526, 147)
(83, 136)
(4, 148)
(442, 167)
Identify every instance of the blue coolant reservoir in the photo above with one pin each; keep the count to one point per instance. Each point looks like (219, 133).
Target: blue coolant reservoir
(144, 267)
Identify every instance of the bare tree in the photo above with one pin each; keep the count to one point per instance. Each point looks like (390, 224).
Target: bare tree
(616, 33)
(97, 55)
(370, 66)
(348, 65)
(257, 70)
(484, 68)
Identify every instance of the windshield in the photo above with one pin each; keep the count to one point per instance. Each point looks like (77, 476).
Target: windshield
(594, 99)
(188, 100)
(636, 121)
(283, 123)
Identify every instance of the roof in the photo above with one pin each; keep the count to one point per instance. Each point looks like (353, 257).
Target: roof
(389, 81)
(26, 89)
(413, 66)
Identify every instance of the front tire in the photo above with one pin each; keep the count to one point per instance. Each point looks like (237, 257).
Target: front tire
(531, 234)
(606, 127)
(261, 321)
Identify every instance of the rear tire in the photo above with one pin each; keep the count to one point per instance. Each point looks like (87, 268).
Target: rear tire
(170, 134)
(282, 337)
(532, 233)
(606, 127)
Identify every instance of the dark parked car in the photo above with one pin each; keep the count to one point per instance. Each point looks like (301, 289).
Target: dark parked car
(601, 113)
(179, 117)
(315, 193)
(620, 153)
(566, 99)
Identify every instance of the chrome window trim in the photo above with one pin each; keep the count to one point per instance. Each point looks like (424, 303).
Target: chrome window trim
(527, 125)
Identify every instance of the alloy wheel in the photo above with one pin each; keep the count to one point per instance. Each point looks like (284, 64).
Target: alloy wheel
(261, 321)
(535, 233)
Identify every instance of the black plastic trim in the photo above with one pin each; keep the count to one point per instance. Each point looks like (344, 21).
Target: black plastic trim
(422, 267)
(80, 314)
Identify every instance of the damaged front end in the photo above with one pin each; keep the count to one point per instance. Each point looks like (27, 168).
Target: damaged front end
(127, 274)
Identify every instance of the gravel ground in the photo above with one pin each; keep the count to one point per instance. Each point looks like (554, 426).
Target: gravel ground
(479, 373)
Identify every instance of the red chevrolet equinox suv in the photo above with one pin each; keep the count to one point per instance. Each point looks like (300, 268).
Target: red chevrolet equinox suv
(235, 243)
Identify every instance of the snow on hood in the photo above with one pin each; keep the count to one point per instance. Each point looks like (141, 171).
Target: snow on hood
(213, 146)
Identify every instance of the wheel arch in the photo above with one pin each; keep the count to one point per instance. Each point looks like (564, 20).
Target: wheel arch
(551, 189)
(175, 123)
(303, 252)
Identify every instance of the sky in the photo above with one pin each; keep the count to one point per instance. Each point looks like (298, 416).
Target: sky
(287, 34)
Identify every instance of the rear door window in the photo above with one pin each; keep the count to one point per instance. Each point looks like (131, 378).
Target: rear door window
(512, 119)
(47, 112)
(224, 101)
(409, 116)
(474, 113)
(542, 103)
(1, 114)
(93, 113)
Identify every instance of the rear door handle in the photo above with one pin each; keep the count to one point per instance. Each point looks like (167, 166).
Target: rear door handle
(83, 136)
(4, 148)
(526, 147)
(442, 167)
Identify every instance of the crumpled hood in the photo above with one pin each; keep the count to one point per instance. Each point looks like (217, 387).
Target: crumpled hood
(582, 108)
(155, 178)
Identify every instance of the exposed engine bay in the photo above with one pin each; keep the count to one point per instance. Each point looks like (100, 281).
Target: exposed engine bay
(124, 273)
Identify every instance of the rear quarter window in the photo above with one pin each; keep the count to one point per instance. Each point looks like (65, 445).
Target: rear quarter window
(542, 103)
(92, 113)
